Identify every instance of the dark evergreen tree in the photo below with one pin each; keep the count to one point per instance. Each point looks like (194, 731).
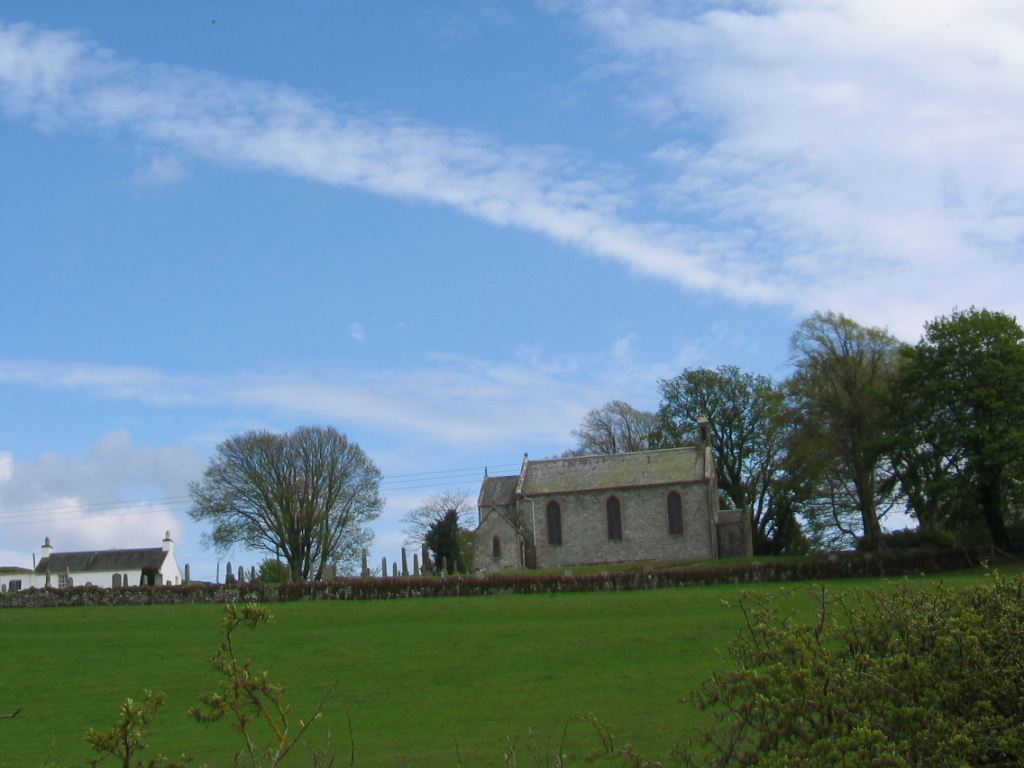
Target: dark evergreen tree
(444, 540)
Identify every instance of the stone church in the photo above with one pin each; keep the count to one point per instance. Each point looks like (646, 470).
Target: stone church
(629, 507)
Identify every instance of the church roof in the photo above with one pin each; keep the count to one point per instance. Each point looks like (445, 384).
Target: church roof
(621, 470)
(106, 560)
(672, 466)
(498, 491)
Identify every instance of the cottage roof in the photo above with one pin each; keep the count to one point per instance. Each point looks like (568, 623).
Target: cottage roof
(107, 560)
(622, 470)
(498, 491)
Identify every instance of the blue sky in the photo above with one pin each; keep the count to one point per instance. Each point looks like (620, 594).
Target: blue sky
(451, 229)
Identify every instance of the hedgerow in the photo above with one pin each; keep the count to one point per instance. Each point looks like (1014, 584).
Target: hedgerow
(835, 566)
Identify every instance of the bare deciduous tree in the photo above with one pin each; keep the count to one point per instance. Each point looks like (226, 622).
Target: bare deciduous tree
(418, 521)
(615, 427)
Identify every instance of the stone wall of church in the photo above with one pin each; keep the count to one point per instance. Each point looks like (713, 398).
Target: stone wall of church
(495, 524)
(644, 526)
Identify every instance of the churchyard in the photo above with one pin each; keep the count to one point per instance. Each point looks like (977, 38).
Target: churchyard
(426, 682)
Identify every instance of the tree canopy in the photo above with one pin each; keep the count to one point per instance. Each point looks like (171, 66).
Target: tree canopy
(959, 402)
(615, 427)
(841, 372)
(304, 496)
(745, 413)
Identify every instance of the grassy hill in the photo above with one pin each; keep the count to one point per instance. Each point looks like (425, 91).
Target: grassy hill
(416, 676)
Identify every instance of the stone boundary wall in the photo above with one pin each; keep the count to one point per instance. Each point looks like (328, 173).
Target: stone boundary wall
(836, 566)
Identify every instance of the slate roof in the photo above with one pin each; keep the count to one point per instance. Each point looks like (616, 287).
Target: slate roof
(107, 560)
(498, 491)
(622, 470)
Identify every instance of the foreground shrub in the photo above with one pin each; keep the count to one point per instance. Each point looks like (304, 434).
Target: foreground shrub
(899, 677)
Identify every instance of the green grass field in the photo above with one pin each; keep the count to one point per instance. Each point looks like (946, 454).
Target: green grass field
(417, 676)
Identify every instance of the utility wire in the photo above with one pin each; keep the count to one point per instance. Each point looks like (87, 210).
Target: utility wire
(406, 482)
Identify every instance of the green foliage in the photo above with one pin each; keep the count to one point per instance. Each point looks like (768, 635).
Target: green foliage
(273, 571)
(841, 374)
(959, 402)
(305, 496)
(445, 542)
(749, 431)
(900, 677)
(247, 698)
(126, 737)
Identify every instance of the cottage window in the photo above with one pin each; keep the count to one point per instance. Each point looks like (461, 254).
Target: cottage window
(14, 585)
(554, 524)
(496, 547)
(62, 580)
(675, 514)
(614, 511)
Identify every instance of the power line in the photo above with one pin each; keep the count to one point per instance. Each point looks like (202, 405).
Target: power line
(413, 481)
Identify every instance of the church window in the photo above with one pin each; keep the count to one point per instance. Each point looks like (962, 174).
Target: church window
(614, 510)
(496, 547)
(554, 524)
(675, 514)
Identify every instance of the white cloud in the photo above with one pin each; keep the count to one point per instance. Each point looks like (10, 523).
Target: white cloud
(861, 155)
(160, 170)
(93, 501)
(355, 330)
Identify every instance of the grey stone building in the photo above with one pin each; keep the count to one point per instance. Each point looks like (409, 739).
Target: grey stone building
(648, 505)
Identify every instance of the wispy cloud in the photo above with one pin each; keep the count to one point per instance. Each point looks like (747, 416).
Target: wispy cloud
(356, 331)
(452, 399)
(864, 153)
(60, 80)
(858, 155)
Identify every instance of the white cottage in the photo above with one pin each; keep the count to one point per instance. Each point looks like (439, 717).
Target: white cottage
(105, 568)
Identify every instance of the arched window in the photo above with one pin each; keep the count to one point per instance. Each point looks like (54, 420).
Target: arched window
(554, 524)
(614, 510)
(675, 514)
(496, 547)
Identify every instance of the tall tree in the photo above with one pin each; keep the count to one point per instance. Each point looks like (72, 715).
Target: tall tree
(615, 427)
(418, 521)
(745, 414)
(446, 543)
(959, 400)
(841, 374)
(304, 496)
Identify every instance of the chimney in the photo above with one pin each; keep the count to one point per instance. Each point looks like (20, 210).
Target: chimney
(47, 549)
(168, 544)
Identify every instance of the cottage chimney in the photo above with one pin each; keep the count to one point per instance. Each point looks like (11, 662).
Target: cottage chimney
(168, 543)
(47, 549)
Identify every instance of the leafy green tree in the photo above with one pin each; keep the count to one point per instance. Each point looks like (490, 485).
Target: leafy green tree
(305, 496)
(273, 571)
(749, 431)
(913, 677)
(445, 541)
(959, 403)
(615, 427)
(841, 374)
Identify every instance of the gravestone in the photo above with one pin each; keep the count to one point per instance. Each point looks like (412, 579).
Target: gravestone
(383, 567)
(187, 577)
(366, 570)
(405, 564)
(330, 573)
(229, 576)
(415, 565)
